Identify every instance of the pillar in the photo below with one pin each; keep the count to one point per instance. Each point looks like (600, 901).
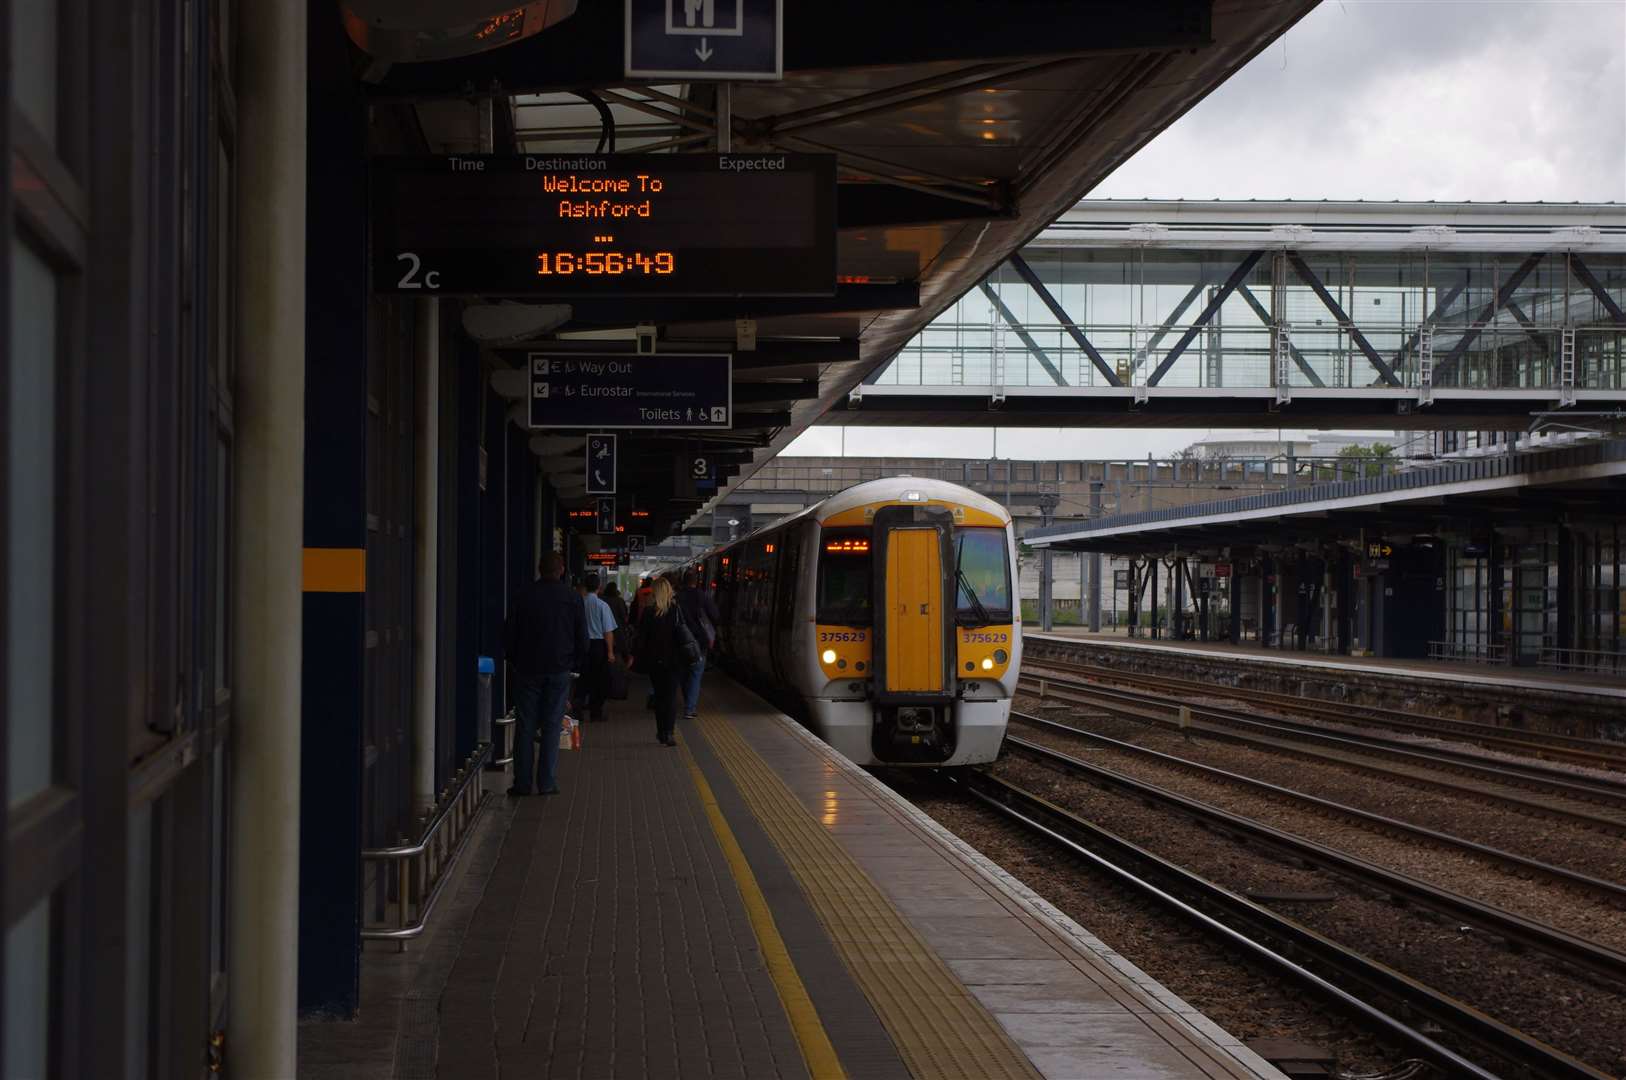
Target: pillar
(426, 553)
(1047, 589)
(268, 560)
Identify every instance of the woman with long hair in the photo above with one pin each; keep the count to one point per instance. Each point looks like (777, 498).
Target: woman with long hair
(667, 649)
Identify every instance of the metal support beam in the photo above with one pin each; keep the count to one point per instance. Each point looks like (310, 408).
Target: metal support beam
(1529, 324)
(1434, 317)
(1238, 276)
(1026, 273)
(1264, 316)
(1591, 282)
(1487, 313)
(1169, 323)
(1026, 338)
(1309, 277)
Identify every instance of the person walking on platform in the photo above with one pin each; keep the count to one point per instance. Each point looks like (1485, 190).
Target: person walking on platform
(666, 650)
(594, 684)
(700, 612)
(618, 608)
(545, 639)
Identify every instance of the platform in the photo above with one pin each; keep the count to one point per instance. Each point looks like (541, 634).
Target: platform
(1480, 675)
(749, 905)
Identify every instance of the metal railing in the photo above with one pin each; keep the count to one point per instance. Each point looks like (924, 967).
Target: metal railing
(502, 736)
(1594, 660)
(421, 869)
(1471, 652)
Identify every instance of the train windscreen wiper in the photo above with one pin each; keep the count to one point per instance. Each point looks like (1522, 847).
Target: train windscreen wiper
(983, 617)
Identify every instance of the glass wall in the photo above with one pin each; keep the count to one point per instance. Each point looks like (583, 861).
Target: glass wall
(1254, 319)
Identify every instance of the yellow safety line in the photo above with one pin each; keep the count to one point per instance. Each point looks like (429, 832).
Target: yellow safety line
(817, 1052)
(939, 1028)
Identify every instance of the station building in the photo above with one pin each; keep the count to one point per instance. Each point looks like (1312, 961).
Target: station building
(265, 503)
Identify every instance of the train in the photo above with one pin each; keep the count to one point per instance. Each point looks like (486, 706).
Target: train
(884, 618)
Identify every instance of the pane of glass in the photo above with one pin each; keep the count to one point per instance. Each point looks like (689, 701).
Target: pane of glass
(138, 932)
(224, 246)
(984, 573)
(28, 995)
(217, 870)
(30, 565)
(33, 63)
(844, 579)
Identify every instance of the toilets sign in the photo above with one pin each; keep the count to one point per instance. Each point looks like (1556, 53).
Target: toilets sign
(704, 39)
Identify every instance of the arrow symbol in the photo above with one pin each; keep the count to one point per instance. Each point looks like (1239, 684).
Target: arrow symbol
(704, 52)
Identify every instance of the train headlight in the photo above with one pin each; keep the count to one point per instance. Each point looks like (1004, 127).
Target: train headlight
(1000, 656)
(829, 656)
(988, 663)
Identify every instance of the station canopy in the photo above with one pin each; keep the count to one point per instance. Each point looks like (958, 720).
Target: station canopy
(959, 130)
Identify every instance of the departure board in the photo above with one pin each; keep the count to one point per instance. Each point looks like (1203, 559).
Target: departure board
(598, 225)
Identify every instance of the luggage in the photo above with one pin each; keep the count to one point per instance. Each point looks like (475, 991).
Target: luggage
(570, 734)
(616, 682)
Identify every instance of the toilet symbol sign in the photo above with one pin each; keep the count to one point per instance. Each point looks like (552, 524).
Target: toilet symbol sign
(704, 39)
(601, 464)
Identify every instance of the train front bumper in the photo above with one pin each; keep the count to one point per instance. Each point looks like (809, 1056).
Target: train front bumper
(979, 728)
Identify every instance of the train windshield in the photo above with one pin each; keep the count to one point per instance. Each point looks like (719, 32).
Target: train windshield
(844, 579)
(983, 573)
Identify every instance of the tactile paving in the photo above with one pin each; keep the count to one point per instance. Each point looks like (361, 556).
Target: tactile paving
(940, 1030)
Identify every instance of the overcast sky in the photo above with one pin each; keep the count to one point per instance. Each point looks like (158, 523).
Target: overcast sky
(1366, 99)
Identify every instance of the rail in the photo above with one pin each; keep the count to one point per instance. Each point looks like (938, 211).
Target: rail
(502, 736)
(1594, 660)
(421, 869)
(1469, 652)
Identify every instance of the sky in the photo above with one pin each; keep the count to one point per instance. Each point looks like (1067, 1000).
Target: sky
(1364, 99)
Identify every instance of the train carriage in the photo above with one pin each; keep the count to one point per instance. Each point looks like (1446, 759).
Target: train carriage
(885, 618)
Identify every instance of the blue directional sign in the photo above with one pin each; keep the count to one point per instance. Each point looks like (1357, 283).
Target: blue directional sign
(627, 390)
(601, 464)
(705, 39)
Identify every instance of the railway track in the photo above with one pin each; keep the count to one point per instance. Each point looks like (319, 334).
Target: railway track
(1373, 992)
(1596, 804)
(1551, 746)
(1606, 890)
(1399, 887)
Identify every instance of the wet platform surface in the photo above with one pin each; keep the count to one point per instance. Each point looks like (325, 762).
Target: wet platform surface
(749, 904)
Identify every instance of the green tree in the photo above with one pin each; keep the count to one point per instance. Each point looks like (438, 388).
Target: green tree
(1376, 457)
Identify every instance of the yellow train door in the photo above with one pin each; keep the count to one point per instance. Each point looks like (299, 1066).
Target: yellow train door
(914, 598)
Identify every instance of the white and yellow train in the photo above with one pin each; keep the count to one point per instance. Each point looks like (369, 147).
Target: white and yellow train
(885, 618)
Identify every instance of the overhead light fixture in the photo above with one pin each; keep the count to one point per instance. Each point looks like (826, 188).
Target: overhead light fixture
(422, 30)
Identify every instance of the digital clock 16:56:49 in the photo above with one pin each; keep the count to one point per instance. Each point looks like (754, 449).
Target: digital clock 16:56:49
(604, 262)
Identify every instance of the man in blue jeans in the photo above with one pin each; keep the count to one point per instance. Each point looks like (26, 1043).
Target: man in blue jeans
(545, 639)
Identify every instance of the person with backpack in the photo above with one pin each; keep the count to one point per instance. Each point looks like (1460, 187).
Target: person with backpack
(667, 649)
(700, 612)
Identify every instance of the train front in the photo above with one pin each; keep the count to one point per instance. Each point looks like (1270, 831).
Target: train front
(917, 626)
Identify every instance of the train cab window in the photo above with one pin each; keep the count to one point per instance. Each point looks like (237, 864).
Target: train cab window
(983, 573)
(844, 579)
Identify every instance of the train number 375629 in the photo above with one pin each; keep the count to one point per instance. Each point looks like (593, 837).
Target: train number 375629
(841, 635)
(978, 637)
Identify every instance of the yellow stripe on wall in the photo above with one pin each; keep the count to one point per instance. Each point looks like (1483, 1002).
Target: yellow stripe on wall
(335, 569)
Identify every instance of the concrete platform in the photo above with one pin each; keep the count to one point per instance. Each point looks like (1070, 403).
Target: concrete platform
(1434, 671)
(750, 905)
(1589, 706)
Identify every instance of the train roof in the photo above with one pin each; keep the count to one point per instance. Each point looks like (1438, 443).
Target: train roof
(893, 488)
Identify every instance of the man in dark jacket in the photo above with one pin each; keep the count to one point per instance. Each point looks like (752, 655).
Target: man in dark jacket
(700, 613)
(545, 639)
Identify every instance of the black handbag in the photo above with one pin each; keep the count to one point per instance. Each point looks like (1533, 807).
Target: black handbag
(688, 652)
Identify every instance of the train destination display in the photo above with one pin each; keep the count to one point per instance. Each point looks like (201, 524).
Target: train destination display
(594, 225)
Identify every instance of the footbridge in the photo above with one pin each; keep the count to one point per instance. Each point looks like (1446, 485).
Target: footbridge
(1312, 314)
